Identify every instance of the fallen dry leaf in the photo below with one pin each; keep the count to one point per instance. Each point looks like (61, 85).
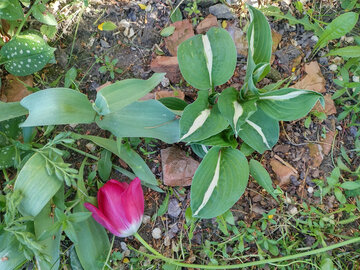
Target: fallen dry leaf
(314, 80)
(13, 90)
(329, 106)
(327, 142)
(164, 93)
(283, 172)
(276, 38)
(238, 37)
(316, 154)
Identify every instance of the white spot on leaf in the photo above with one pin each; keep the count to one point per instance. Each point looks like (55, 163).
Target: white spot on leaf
(208, 55)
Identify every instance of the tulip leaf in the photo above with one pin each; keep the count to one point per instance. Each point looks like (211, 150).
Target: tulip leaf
(142, 119)
(11, 256)
(260, 131)
(128, 155)
(207, 60)
(116, 96)
(289, 104)
(11, 110)
(36, 185)
(43, 222)
(219, 182)
(57, 106)
(105, 165)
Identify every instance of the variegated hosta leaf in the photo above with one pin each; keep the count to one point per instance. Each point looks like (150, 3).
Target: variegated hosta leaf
(11, 10)
(116, 96)
(288, 103)
(200, 121)
(207, 60)
(57, 106)
(259, 52)
(224, 139)
(260, 131)
(233, 111)
(26, 54)
(219, 182)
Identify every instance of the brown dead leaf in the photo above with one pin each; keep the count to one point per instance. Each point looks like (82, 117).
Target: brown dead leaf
(283, 172)
(276, 38)
(165, 93)
(316, 154)
(327, 142)
(329, 106)
(103, 86)
(314, 80)
(13, 90)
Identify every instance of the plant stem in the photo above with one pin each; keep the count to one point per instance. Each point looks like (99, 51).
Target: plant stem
(243, 265)
(109, 253)
(25, 18)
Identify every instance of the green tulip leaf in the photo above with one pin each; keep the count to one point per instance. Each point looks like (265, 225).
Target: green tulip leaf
(113, 98)
(9, 249)
(26, 54)
(11, 110)
(57, 106)
(207, 60)
(219, 182)
(142, 119)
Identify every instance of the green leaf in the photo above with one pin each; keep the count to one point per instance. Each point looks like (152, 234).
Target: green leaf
(207, 60)
(107, 26)
(105, 165)
(70, 77)
(11, 110)
(11, 11)
(288, 103)
(219, 182)
(48, 30)
(176, 105)
(26, 54)
(176, 15)
(167, 31)
(200, 121)
(7, 154)
(348, 51)
(42, 15)
(116, 96)
(35, 185)
(12, 257)
(260, 131)
(350, 185)
(43, 222)
(142, 119)
(128, 155)
(339, 195)
(235, 112)
(224, 138)
(340, 26)
(262, 177)
(57, 106)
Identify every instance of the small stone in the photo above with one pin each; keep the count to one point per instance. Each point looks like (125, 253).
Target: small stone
(165, 82)
(167, 241)
(124, 23)
(156, 233)
(323, 61)
(310, 190)
(294, 181)
(355, 78)
(293, 211)
(169, 65)
(287, 200)
(239, 39)
(316, 173)
(221, 12)
(314, 38)
(353, 131)
(283, 172)
(206, 24)
(104, 44)
(258, 210)
(333, 67)
(91, 147)
(146, 219)
(183, 31)
(123, 246)
(349, 39)
(174, 209)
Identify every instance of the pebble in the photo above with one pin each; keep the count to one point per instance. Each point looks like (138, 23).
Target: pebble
(294, 181)
(314, 38)
(165, 82)
(174, 209)
(355, 78)
(323, 61)
(123, 246)
(156, 233)
(104, 44)
(353, 131)
(310, 190)
(167, 241)
(146, 219)
(349, 39)
(91, 147)
(293, 211)
(221, 11)
(333, 67)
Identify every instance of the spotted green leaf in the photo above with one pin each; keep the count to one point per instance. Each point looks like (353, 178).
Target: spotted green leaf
(219, 182)
(26, 54)
(260, 131)
(42, 15)
(7, 154)
(11, 110)
(11, 10)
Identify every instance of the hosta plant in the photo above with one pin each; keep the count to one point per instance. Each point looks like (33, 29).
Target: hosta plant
(219, 119)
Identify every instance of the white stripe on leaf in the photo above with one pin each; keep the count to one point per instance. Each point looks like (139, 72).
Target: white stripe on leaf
(211, 187)
(208, 55)
(286, 96)
(198, 122)
(259, 130)
(238, 111)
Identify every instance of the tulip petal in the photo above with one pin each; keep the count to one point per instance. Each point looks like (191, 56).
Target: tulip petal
(101, 219)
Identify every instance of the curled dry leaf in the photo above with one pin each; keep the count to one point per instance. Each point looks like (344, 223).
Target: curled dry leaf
(329, 106)
(314, 80)
(14, 88)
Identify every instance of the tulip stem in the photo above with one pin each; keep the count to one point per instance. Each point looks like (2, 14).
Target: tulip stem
(242, 265)
(109, 253)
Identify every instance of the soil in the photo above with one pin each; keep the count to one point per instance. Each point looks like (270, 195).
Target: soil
(79, 40)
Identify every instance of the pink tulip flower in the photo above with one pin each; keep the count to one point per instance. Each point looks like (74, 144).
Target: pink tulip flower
(121, 207)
